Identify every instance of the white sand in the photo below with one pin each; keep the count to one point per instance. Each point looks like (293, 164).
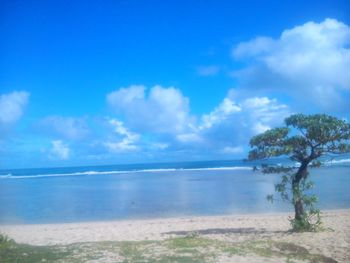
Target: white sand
(334, 243)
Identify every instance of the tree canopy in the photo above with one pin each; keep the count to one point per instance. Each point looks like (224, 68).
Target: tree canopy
(304, 139)
(315, 136)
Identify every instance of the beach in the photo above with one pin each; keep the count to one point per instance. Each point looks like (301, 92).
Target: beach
(204, 212)
(175, 131)
(332, 243)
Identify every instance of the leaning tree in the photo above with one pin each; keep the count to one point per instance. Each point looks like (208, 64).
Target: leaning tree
(304, 139)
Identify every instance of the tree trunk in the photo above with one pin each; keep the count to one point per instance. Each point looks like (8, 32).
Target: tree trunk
(299, 209)
(298, 202)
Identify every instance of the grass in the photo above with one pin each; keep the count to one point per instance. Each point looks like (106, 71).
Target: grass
(10, 252)
(188, 249)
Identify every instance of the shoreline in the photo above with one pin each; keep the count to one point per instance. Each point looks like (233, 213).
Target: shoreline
(184, 217)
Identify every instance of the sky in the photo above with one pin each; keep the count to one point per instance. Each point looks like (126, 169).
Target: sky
(113, 82)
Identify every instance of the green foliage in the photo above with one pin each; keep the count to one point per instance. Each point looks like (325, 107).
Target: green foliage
(11, 252)
(269, 144)
(5, 239)
(318, 134)
(311, 219)
(320, 128)
(304, 139)
(310, 222)
(190, 249)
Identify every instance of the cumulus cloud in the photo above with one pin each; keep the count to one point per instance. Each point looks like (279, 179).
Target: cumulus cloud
(160, 110)
(163, 115)
(256, 113)
(264, 113)
(67, 127)
(255, 47)
(126, 140)
(59, 150)
(12, 106)
(220, 113)
(311, 59)
(230, 125)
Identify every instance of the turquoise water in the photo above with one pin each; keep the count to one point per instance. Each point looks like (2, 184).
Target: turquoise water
(73, 194)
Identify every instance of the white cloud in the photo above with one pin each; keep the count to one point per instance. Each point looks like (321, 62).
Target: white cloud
(220, 113)
(59, 150)
(189, 138)
(12, 106)
(162, 110)
(121, 146)
(233, 150)
(208, 70)
(68, 127)
(257, 46)
(264, 113)
(232, 123)
(162, 116)
(125, 96)
(260, 128)
(311, 59)
(159, 146)
(126, 141)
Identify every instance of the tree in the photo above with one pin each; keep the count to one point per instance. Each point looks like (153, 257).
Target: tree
(304, 139)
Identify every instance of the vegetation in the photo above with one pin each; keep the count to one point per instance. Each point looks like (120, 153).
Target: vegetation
(304, 139)
(188, 249)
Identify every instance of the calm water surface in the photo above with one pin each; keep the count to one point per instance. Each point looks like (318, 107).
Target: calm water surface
(155, 194)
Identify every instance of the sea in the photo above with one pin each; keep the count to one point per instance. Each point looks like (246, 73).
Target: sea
(157, 190)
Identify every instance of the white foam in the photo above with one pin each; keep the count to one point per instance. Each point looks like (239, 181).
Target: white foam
(341, 161)
(220, 168)
(126, 172)
(5, 175)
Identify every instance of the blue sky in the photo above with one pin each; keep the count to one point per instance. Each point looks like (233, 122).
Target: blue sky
(104, 82)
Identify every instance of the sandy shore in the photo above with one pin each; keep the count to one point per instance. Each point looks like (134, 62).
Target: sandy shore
(334, 242)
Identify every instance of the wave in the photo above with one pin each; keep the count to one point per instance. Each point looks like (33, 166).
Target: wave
(341, 161)
(5, 175)
(10, 176)
(219, 168)
(330, 163)
(227, 168)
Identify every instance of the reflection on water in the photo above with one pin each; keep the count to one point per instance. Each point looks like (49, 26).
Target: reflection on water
(161, 194)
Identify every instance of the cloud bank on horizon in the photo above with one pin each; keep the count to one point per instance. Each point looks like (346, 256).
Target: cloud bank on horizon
(305, 69)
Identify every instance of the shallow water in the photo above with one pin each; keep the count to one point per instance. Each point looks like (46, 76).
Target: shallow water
(81, 196)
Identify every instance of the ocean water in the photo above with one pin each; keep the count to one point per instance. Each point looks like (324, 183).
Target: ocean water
(74, 194)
